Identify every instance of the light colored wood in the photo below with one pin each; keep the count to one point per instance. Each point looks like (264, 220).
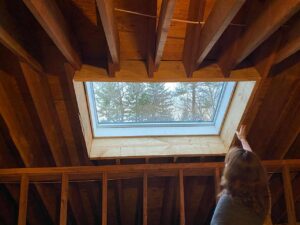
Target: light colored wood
(63, 216)
(217, 183)
(105, 8)
(95, 172)
(218, 20)
(239, 102)
(104, 199)
(259, 30)
(156, 146)
(166, 14)
(41, 96)
(169, 71)
(288, 196)
(84, 115)
(291, 44)
(23, 200)
(181, 198)
(10, 38)
(145, 199)
(51, 19)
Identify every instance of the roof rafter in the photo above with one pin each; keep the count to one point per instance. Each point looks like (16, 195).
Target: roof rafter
(51, 19)
(166, 14)
(291, 45)
(106, 11)
(9, 37)
(218, 20)
(276, 14)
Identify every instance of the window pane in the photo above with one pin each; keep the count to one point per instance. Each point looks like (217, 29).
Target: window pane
(128, 103)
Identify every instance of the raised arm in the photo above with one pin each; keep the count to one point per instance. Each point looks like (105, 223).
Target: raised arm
(241, 135)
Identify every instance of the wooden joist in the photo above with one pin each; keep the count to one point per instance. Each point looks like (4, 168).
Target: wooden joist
(258, 31)
(10, 38)
(169, 71)
(23, 200)
(166, 14)
(106, 11)
(291, 44)
(218, 20)
(64, 200)
(51, 19)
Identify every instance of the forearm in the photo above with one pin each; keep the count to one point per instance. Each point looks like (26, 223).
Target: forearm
(245, 144)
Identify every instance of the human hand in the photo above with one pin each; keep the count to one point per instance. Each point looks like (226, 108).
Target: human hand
(241, 134)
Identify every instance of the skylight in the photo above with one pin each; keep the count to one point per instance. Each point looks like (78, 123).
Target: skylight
(122, 109)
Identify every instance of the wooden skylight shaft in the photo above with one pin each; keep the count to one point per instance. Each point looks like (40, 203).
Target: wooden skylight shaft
(51, 19)
(258, 31)
(181, 198)
(104, 199)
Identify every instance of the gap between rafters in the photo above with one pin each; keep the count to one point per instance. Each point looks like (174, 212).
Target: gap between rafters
(173, 19)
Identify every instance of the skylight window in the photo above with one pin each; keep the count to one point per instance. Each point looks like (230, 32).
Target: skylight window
(122, 109)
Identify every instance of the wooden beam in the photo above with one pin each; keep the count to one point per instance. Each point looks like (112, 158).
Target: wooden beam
(122, 171)
(41, 96)
(51, 19)
(10, 38)
(288, 196)
(166, 14)
(136, 71)
(106, 11)
(196, 12)
(218, 20)
(262, 27)
(23, 200)
(145, 199)
(181, 198)
(63, 216)
(291, 42)
(104, 199)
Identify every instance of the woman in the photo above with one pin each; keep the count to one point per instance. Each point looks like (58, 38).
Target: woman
(244, 199)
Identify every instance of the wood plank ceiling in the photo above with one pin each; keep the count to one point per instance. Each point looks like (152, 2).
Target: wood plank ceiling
(43, 42)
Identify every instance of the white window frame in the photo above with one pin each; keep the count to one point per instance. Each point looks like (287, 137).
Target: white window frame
(161, 129)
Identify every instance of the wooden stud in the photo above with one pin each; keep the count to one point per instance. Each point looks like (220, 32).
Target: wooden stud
(218, 20)
(23, 200)
(145, 199)
(64, 200)
(51, 19)
(104, 198)
(181, 197)
(217, 182)
(106, 11)
(166, 14)
(263, 27)
(288, 195)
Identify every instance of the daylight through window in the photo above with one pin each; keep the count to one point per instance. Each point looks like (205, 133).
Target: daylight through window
(151, 109)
